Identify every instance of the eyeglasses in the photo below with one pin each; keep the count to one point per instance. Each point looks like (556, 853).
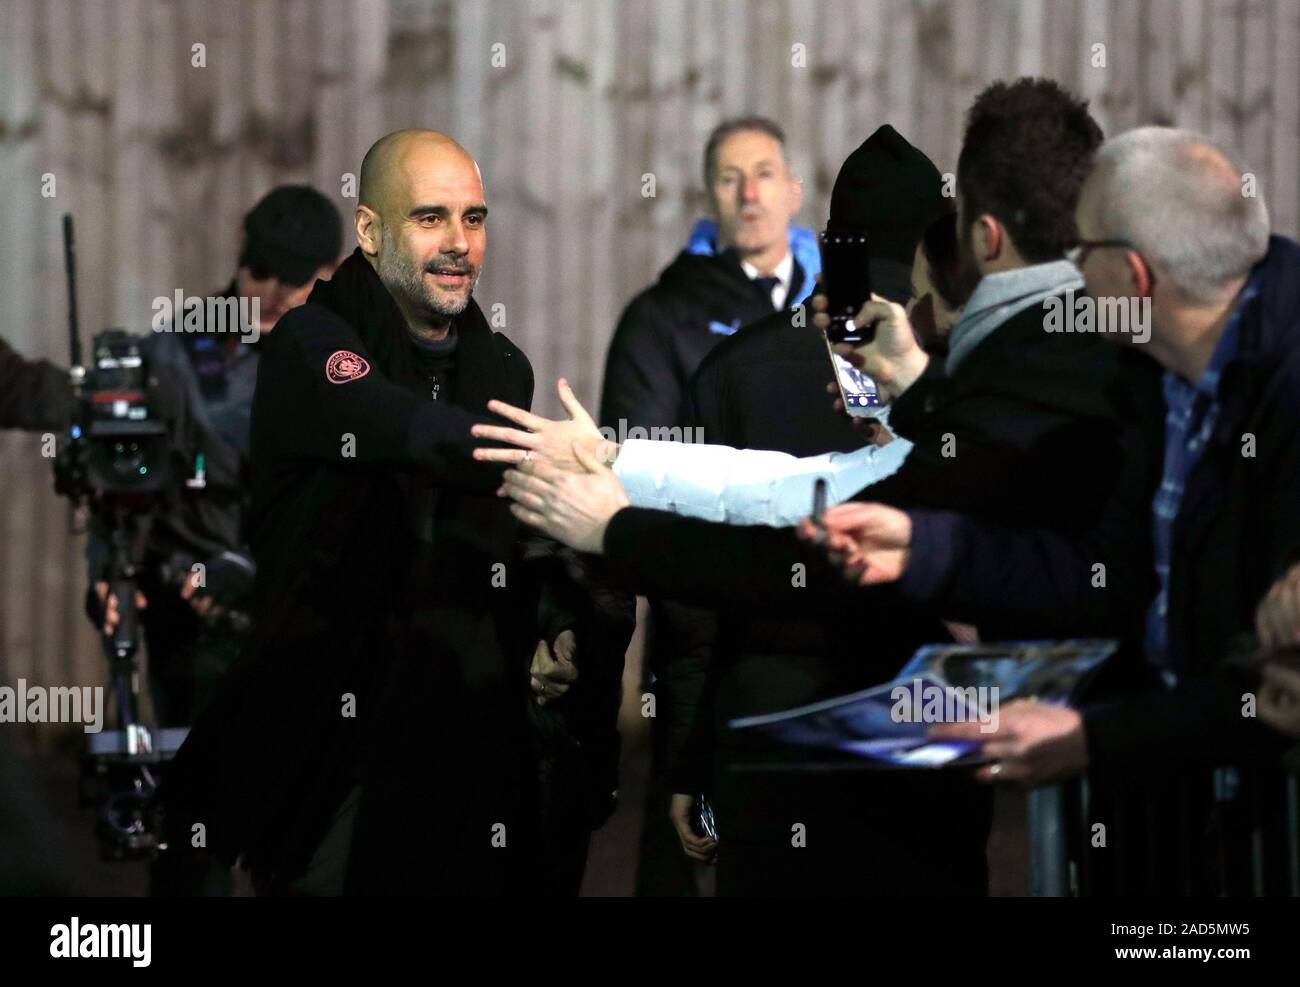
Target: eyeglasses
(1078, 254)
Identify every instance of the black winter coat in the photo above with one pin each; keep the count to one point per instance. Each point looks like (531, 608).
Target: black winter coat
(733, 398)
(1237, 531)
(375, 661)
(668, 329)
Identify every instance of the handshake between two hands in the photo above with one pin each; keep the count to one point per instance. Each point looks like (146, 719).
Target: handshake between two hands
(559, 477)
(561, 482)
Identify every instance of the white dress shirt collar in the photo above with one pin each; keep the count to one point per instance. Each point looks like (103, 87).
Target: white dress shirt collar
(784, 274)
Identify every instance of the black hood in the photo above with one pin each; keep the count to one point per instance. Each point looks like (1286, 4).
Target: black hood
(890, 190)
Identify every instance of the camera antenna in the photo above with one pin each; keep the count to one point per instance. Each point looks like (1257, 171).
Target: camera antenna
(70, 264)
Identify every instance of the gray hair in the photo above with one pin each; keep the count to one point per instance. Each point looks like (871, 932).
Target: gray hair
(737, 125)
(1181, 200)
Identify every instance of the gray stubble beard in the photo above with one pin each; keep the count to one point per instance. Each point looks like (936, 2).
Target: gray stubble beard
(407, 281)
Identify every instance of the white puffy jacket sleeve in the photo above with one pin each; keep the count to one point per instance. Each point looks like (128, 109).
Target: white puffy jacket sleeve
(746, 486)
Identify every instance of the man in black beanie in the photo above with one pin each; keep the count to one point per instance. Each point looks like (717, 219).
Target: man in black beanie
(292, 239)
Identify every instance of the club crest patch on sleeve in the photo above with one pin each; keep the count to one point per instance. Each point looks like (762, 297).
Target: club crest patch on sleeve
(344, 365)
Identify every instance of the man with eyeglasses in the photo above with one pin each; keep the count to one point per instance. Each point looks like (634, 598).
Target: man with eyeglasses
(1163, 219)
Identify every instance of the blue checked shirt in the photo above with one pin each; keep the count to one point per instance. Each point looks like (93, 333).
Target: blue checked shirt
(1191, 412)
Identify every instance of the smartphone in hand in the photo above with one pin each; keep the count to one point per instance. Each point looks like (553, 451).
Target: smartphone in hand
(702, 822)
(846, 283)
(857, 390)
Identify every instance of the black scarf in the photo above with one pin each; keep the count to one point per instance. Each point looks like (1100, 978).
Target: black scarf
(356, 295)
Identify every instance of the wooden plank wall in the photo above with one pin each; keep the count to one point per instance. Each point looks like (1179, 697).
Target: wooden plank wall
(159, 159)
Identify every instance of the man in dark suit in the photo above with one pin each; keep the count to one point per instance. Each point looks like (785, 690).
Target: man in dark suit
(743, 262)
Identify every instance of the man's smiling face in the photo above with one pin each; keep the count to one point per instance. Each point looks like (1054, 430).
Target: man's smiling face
(434, 231)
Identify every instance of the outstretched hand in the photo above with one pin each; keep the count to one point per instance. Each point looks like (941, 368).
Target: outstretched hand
(574, 508)
(545, 438)
(869, 542)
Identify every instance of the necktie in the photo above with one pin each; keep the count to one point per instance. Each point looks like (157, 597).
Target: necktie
(768, 285)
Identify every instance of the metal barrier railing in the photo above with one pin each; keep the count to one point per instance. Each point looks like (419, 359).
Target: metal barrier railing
(1230, 831)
